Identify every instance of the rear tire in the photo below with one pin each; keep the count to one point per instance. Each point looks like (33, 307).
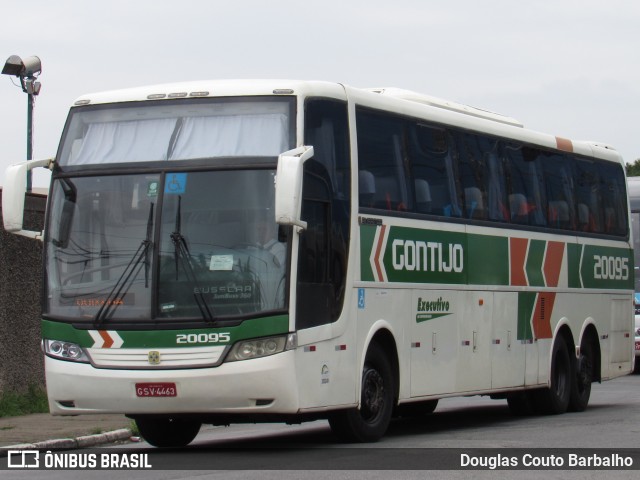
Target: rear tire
(555, 399)
(582, 378)
(167, 432)
(370, 422)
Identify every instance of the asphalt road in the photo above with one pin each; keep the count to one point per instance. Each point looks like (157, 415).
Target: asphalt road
(459, 426)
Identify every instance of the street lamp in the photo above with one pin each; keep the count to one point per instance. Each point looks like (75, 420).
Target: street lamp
(27, 71)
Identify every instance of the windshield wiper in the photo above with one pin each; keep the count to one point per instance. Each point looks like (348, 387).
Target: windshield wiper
(130, 272)
(181, 253)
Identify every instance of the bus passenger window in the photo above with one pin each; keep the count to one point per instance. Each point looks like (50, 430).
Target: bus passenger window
(367, 188)
(381, 154)
(526, 196)
(432, 168)
(423, 196)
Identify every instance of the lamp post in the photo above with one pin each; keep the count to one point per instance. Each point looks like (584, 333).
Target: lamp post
(27, 71)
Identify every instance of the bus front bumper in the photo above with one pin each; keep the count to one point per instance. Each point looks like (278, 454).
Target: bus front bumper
(263, 385)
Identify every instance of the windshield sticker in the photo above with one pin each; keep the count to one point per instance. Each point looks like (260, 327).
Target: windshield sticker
(168, 307)
(221, 263)
(176, 183)
(152, 188)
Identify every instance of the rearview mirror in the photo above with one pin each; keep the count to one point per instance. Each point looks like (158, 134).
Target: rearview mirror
(289, 186)
(13, 190)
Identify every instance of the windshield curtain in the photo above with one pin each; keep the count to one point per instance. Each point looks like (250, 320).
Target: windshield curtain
(215, 253)
(176, 130)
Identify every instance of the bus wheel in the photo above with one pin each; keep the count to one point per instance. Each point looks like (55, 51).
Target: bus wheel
(167, 432)
(370, 422)
(581, 384)
(555, 399)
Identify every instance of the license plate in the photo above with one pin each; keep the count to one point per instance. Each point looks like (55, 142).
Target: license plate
(156, 390)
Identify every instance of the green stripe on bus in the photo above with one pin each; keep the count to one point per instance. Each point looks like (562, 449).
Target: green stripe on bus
(535, 260)
(367, 235)
(574, 252)
(526, 304)
(254, 328)
(607, 267)
(413, 255)
(488, 260)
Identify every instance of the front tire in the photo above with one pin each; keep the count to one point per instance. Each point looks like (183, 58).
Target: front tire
(167, 432)
(370, 422)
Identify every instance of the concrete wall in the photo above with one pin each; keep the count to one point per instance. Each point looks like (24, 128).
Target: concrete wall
(21, 361)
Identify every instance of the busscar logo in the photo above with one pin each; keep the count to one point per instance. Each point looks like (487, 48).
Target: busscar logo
(23, 459)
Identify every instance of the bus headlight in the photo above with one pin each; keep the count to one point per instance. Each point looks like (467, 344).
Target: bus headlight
(64, 351)
(261, 347)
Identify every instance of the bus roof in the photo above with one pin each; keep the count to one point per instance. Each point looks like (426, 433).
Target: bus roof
(212, 88)
(392, 99)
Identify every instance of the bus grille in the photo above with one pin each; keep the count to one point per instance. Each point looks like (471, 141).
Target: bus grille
(160, 358)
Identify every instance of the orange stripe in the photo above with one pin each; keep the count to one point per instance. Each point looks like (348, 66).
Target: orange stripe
(108, 341)
(518, 250)
(564, 144)
(553, 263)
(542, 315)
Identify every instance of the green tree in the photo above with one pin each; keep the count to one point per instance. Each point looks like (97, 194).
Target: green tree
(633, 169)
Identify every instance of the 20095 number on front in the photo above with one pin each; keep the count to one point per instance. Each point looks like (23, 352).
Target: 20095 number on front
(195, 338)
(610, 268)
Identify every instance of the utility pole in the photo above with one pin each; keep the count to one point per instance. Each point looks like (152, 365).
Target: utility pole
(27, 71)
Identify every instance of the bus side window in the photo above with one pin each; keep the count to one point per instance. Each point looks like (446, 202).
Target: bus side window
(381, 154)
(558, 174)
(423, 196)
(589, 205)
(366, 188)
(497, 202)
(613, 194)
(527, 202)
(433, 171)
(473, 173)
(326, 207)
(314, 288)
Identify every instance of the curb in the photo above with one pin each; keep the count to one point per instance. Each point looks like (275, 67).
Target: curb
(71, 443)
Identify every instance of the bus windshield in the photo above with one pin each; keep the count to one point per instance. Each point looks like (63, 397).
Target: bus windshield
(176, 130)
(197, 245)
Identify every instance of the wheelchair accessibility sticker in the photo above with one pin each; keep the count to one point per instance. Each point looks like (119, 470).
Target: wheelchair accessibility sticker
(176, 183)
(361, 298)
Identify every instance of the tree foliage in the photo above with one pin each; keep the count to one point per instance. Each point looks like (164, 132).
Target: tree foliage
(633, 169)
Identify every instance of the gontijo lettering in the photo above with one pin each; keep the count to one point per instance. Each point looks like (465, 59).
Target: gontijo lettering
(427, 256)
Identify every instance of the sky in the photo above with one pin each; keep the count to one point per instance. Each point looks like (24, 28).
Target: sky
(566, 67)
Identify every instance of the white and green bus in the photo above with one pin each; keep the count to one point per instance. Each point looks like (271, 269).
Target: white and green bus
(283, 251)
